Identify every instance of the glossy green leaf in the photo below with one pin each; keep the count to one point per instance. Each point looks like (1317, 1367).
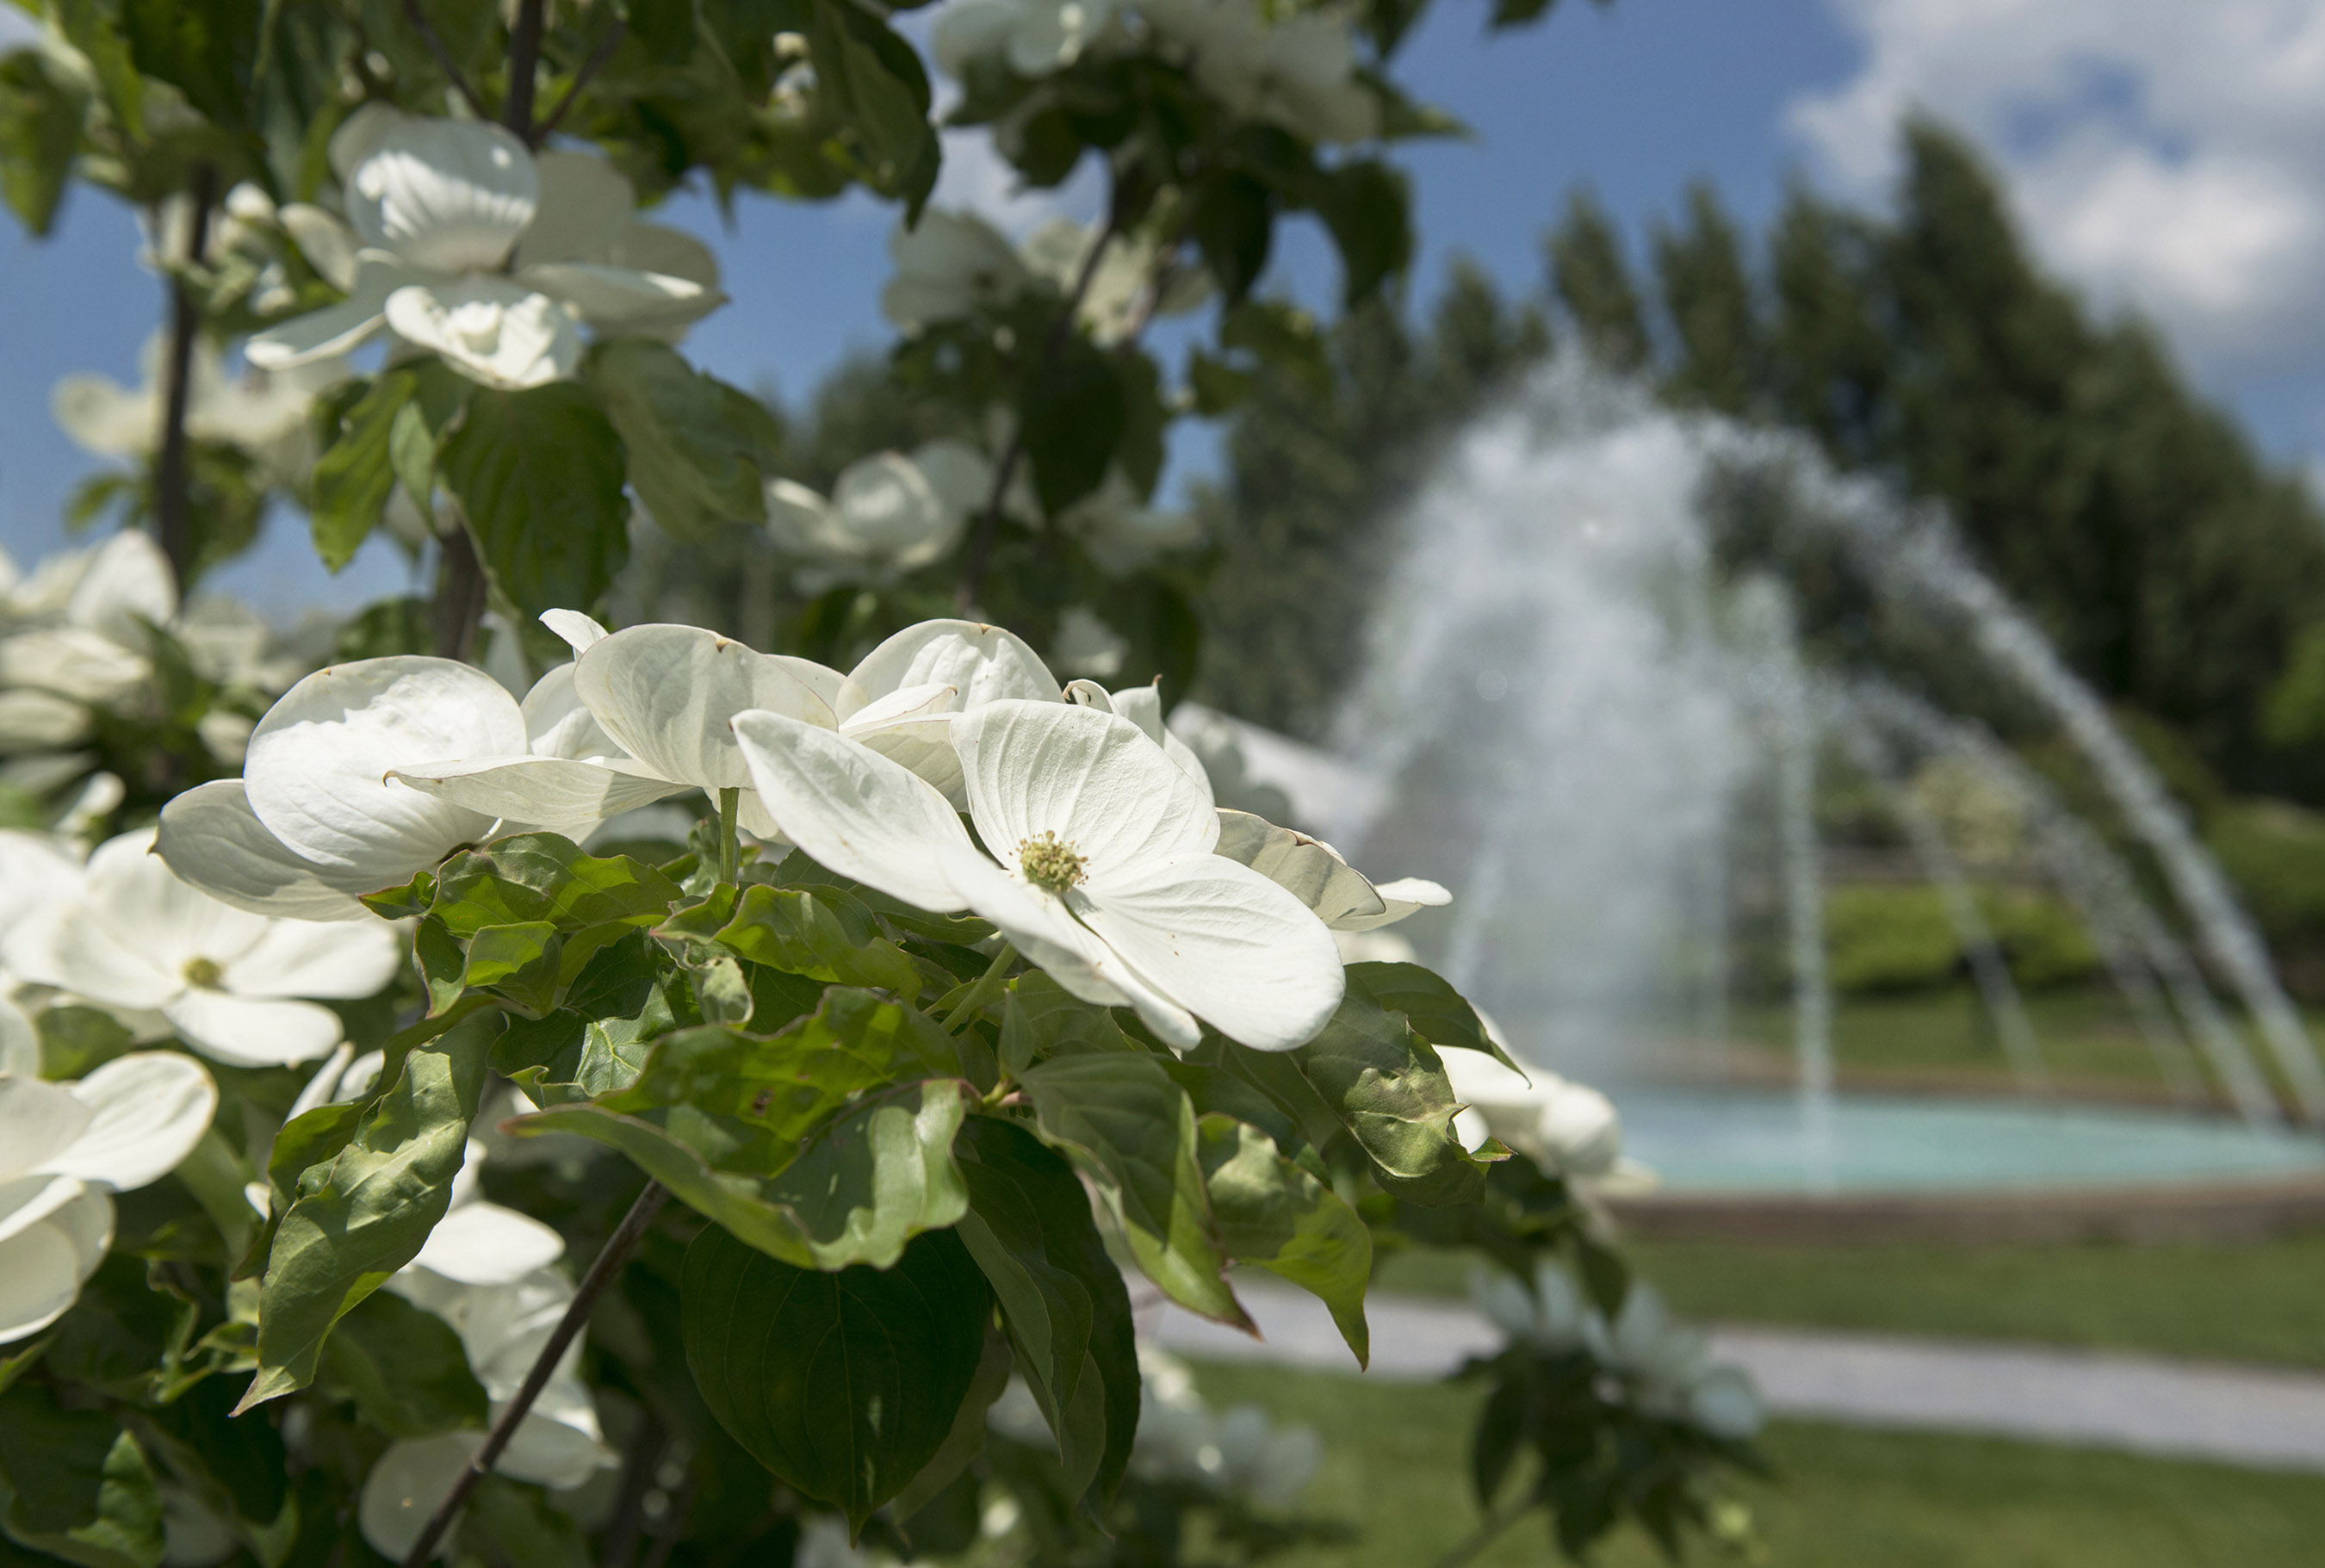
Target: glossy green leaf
(828, 1145)
(1438, 1013)
(820, 933)
(965, 1439)
(404, 1368)
(698, 450)
(1062, 1300)
(1273, 1213)
(540, 477)
(540, 877)
(39, 134)
(196, 1434)
(1074, 418)
(1367, 206)
(367, 1213)
(206, 51)
(874, 82)
(519, 1526)
(1132, 1128)
(1231, 218)
(1041, 1018)
(598, 1041)
(74, 1485)
(844, 1384)
(517, 962)
(356, 475)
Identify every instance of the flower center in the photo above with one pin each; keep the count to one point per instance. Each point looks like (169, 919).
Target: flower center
(1049, 864)
(203, 974)
(478, 325)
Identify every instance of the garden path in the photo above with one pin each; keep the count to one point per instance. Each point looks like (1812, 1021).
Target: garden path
(2239, 1414)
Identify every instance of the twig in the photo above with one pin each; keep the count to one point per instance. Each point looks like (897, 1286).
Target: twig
(589, 67)
(443, 57)
(459, 593)
(524, 61)
(981, 992)
(172, 500)
(730, 851)
(616, 1252)
(979, 556)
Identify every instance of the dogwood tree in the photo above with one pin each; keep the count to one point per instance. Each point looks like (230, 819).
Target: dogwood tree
(573, 1087)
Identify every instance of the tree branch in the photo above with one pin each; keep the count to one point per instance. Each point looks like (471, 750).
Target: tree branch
(590, 67)
(443, 57)
(460, 603)
(979, 556)
(172, 500)
(616, 1252)
(524, 61)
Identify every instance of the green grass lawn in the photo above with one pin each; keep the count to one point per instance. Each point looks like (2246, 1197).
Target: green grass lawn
(1396, 1466)
(2260, 1301)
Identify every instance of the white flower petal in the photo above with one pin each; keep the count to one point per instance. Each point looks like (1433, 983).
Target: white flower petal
(254, 1031)
(316, 774)
(1405, 896)
(490, 328)
(211, 838)
(361, 133)
(656, 247)
(1092, 778)
(148, 1110)
(851, 809)
(144, 906)
(73, 661)
(325, 241)
(335, 329)
(892, 511)
(1046, 932)
(985, 663)
(803, 523)
(20, 1046)
(105, 417)
(38, 1123)
(555, 794)
(77, 951)
(616, 299)
(306, 957)
(1309, 868)
(1224, 942)
(42, 721)
(485, 1243)
(446, 194)
(404, 1489)
(36, 872)
(127, 584)
(585, 202)
(665, 693)
(580, 632)
(41, 1276)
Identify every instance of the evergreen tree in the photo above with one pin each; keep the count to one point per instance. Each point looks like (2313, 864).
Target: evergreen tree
(1593, 282)
(1715, 322)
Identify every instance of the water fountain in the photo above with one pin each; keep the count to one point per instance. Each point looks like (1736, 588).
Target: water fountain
(1571, 698)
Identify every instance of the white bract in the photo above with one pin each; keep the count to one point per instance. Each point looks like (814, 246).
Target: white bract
(1035, 37)
(1104, 875)
(1568, 1125)
(1236, 1453)
(1298, 72)
(1120, 532)
(332, 802)
(1129, 285)
(889, 511)
(1343, 897)
(466, 244)
(225, 981)
(263, 414)
(1671, 1364)
(1085, 645)
(1552, 1316)
(949, 265)
(64, 1147)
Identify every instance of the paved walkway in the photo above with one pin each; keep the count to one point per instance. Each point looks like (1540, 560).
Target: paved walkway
(2186, 1409)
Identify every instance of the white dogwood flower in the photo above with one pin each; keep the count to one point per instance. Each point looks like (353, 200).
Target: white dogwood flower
(229, 982)
(1343, 897)
(263, 414)
(468, 244)
(64, 1147)
(324, 811)
(949, 265)
(1120, 532)
(1299, 71)
(1671, 1364)
(1104, 875)
(1034, 37)
(1569, 1127)
(888, 511)
(75, 629)
(1129, 287)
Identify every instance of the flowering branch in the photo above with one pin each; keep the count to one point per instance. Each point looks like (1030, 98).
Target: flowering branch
(172, 504)
(616, 1252)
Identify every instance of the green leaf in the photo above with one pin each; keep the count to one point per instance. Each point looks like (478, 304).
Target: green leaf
(1383, 1085)
(843, 1384)
(1075, 416)
(1367, 206)
(40, 133)
(1218, 386)
(206, 51)
(1134, 1128)
(1438, 1013)
(1231, 220)
(1273, 1213)
(1062, 1299)
(74, 1485)
(698, 450)
(539, 475)
(390, 625)
(873, 81)
(197, 1435)
(404, 1368)
(517, 962)
(542, 877)
(356, 475)
(1041, 1018)
(367, 1214)
(806, 1146)
(597, 1042)
(1283, 337)
(820, 933)
(965, 1439)
(517, 1527)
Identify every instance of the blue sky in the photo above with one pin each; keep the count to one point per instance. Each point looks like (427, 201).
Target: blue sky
(2101, 114)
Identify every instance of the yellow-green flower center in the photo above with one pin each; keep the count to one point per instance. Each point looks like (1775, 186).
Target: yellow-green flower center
(1049, 864)
(203, 974)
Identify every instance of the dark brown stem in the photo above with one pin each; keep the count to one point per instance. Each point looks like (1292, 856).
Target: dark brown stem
(524, 59)
(459, 603)
(443, 57)
(172, 500)
(979, 556)
(590, 67)
(616, 1252)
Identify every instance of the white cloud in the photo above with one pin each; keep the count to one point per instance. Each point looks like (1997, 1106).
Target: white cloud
(2168, 153)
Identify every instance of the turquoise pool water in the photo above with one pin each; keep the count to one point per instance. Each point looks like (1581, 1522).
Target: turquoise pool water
(1731, 1142)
